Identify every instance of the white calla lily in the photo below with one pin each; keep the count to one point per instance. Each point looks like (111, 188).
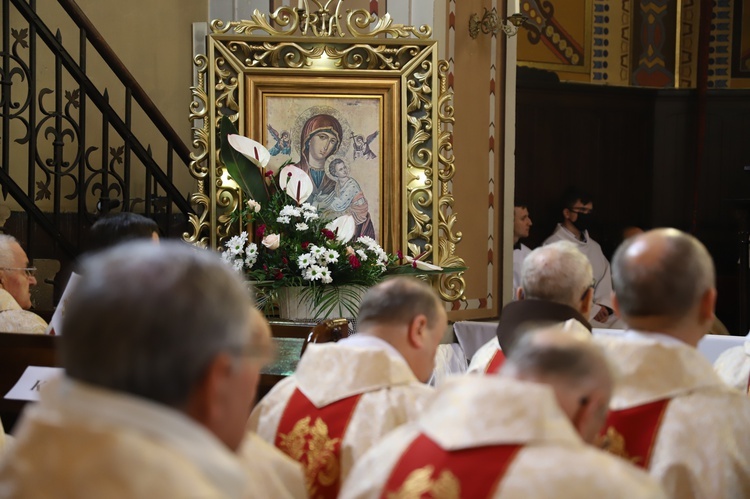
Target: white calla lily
(344, 227)
(422, 265)
(296, 183)
(252, 150)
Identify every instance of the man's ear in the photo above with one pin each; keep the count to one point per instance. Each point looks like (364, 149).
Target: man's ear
(708, 305)
(566, 213)
(587, 301)
(587, 419)
(519, 294)
(616, 305)
(417, 331)
(205, 403)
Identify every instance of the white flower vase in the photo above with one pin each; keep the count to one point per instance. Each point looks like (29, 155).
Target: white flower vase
(329, 302)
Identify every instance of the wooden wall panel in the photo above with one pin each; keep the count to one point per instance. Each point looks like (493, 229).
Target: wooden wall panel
(634, 149)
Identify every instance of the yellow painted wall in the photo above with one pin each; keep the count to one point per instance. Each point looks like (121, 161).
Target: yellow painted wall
(154, 40)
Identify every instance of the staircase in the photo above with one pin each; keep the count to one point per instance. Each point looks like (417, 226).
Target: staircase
(72, 150)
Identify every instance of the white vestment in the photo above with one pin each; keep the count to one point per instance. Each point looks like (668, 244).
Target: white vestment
(733, 366)
(483, 357)
(702, 447)
(390, 393)
(475, 411)
(602, 274)
(14, 319)
(518, 257)
(84, 442)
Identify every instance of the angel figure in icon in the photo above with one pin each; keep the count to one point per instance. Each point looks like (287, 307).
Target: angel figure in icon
(362, 146)
(283, 142)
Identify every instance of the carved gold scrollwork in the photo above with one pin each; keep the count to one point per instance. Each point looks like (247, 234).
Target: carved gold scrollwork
(285, 17)
(226, 85)
(199, 114)
(359, 20)
(452, 286)
(322, 23)
(200, 221)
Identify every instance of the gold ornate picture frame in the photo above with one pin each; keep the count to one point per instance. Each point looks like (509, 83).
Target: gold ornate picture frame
(273, 74)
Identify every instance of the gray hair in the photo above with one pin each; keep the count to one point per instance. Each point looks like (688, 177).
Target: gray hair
(397, 301)
(669, 285)
(148, 319)
(6, 252)
(558, 273)
(553, 354)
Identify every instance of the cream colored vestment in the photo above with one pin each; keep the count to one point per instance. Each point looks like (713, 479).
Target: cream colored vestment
(733, 366)
(475, 411)
(14, 319)
(391, 394)
(84, 442)
(702, 448)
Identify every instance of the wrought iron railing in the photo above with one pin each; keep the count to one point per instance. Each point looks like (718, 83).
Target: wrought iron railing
(68, 150)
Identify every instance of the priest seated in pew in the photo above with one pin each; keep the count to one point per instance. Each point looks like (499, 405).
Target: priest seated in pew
(162, 352)
(345, 396)
(670, 413)
(16, 277)
(523, 433)
(556, 286)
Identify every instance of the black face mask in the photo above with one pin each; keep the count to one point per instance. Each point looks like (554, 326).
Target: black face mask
(583, 222)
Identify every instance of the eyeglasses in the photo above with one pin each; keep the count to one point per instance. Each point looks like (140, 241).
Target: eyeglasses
(29, 271)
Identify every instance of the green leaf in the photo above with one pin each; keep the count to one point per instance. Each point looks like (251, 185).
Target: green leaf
(241, 169)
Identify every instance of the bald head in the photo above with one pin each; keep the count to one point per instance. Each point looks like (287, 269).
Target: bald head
(408, 314)
(396, 301)
(577, 370)
(558, 273)
(662, 273)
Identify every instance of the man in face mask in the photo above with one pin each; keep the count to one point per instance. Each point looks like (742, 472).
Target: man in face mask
(577, 211)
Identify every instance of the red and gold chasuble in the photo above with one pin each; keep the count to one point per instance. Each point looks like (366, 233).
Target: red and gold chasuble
(312, 436)
(631, 433)
(496, 362)
(425, 470)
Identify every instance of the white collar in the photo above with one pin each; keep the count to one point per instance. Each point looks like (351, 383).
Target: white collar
(364, 340)
(333, 371)
(471, 411)
(85, 403)
(661, 338)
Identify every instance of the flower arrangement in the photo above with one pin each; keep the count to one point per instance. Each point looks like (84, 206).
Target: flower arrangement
(289, 244)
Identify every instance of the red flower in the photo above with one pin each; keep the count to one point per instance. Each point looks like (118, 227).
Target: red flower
(260, 230)
(305, 244)
(284, 260)
(400, 256)
(269, 173)
(328, 234)
(354, 262)
(279, 275)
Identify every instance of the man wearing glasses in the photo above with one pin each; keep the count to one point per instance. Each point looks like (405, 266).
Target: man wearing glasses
(577, 211)
(15, 279)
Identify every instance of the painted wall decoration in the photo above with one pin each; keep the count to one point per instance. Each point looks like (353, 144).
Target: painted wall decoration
(650, 43)
(654, 46)
(557, 35)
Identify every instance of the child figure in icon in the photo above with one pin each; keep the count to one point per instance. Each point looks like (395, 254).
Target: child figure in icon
(346, 198)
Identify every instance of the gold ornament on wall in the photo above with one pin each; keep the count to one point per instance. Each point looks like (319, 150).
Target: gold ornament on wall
(324, 60)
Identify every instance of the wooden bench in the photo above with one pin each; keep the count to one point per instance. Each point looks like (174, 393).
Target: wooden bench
(18, 351)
